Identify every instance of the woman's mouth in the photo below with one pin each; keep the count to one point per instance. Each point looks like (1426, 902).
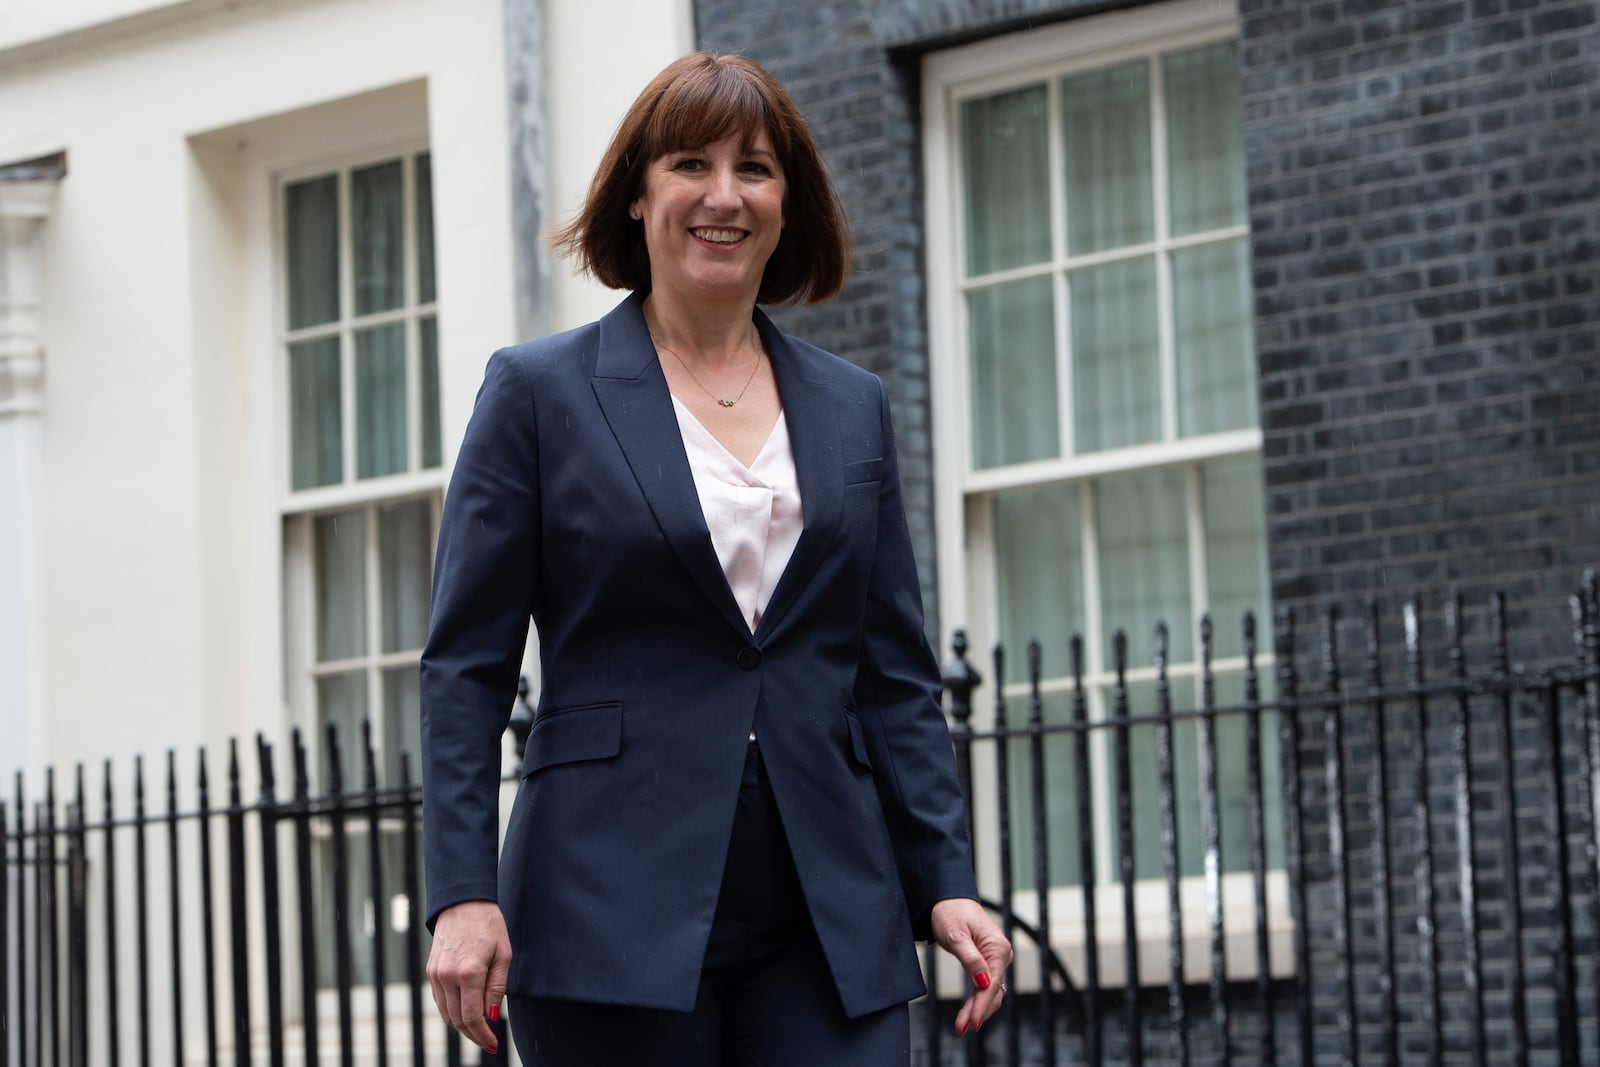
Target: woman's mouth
(719, 236)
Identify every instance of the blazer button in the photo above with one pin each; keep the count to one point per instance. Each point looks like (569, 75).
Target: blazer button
(749, 658)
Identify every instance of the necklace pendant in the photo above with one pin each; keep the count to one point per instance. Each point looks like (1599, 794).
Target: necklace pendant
(724, 403)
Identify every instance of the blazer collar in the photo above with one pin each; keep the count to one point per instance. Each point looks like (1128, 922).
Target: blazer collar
(811, 411)
(637, 405)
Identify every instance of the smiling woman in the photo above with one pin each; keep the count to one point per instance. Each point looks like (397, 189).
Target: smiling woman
(738, 808)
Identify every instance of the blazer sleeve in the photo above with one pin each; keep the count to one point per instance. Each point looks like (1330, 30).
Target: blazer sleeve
(897, 696)
(484, 590)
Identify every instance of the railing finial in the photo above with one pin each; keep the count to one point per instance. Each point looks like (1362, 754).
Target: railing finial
(521, 724)
(959, 679)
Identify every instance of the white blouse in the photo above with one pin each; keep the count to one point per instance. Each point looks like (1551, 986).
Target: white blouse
(753, 512)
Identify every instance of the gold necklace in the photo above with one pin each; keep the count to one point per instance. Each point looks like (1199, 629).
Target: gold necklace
(754, 366)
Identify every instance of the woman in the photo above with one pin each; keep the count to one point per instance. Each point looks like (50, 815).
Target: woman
(738, 807)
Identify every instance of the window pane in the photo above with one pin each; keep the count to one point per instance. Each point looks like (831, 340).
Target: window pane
(1141, 531)
(342, 703)
(1014, 411)
(402, 729)
(391, 911)
(378, 237)
(311, 232)
(1233, 778)
(428, 331)
(1106, 123)
(316, 448)
(1205, 155)
(425, 285)
(1005, 160)
(1038, 546)
(341, 546)
(1144, 741)
(1061, 798)
(1236, 552)
(405, 552)
(1115, 355)
(381, 400)
(1215, 341)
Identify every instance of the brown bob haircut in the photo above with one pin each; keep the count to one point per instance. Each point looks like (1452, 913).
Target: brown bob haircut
(698, 100)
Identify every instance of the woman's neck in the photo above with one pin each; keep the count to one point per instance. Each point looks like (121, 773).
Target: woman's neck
(706, 334)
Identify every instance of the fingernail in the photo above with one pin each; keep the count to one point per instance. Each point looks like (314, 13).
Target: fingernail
(963, 1032)
(980, 1024)
(982, 979)
(494, 1050)
(494, 1013)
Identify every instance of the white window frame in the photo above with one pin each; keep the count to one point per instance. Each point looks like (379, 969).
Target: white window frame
(299, 509)
(354, 490)
(964, 534)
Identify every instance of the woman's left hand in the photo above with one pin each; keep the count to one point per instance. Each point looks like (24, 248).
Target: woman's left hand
(963, 929)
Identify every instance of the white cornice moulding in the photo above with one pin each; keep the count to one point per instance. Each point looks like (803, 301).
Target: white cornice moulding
(24, 207)
(65, 40)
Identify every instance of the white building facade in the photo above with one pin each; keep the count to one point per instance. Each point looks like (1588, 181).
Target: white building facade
(253, 258)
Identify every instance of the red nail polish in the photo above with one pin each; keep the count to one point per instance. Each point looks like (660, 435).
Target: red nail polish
(493, 1050)
(982, 980)
(494, 1013)
(980, 1024)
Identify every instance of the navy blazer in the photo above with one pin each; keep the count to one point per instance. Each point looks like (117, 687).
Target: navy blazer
(572, 502)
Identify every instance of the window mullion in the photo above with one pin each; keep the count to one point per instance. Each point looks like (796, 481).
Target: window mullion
(1094, 640)
(1102, 800)
(983, 625)
(408, 287)
(347, 357)
(1057, 148)
(1199, 595)
(1093, 624)
(1165, 331)
(374, 627)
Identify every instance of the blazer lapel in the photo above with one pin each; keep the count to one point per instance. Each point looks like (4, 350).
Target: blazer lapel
(634, 398)
(809, 409)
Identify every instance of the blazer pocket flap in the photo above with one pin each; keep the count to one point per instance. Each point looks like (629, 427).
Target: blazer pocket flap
(866, 470)
(569, 735)
(858, 740)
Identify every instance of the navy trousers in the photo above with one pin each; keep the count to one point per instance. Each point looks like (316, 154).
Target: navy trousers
(766, 996)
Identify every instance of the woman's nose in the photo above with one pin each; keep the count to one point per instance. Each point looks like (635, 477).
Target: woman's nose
(723, 191)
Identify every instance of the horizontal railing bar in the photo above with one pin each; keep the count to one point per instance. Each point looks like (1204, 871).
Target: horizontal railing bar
(389, 800)
(1318, 703)
(1480, 685)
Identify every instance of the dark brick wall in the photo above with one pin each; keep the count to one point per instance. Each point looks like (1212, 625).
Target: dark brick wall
(1423, 178)
(851, 67)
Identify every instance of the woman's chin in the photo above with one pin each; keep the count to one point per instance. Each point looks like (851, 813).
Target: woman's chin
(718, 287)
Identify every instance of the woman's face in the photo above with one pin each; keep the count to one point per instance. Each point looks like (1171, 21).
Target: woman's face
(712, 216)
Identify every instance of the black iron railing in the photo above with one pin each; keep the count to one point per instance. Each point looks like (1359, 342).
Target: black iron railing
(1412, 870)
(1432, 830)
(70, 911)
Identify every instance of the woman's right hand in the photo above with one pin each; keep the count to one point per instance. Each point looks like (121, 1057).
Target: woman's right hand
(467, 968)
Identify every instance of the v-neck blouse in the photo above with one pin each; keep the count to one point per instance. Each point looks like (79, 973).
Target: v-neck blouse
(753, 513)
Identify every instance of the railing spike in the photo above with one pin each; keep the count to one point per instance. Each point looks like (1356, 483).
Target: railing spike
(1499, 633)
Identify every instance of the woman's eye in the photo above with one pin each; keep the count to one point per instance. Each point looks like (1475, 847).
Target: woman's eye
(757, 168)
(688, 164)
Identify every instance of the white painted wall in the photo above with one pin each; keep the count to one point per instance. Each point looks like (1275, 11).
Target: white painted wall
(24, 21)
(591, 85)
(163, 428)
(162, 436)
